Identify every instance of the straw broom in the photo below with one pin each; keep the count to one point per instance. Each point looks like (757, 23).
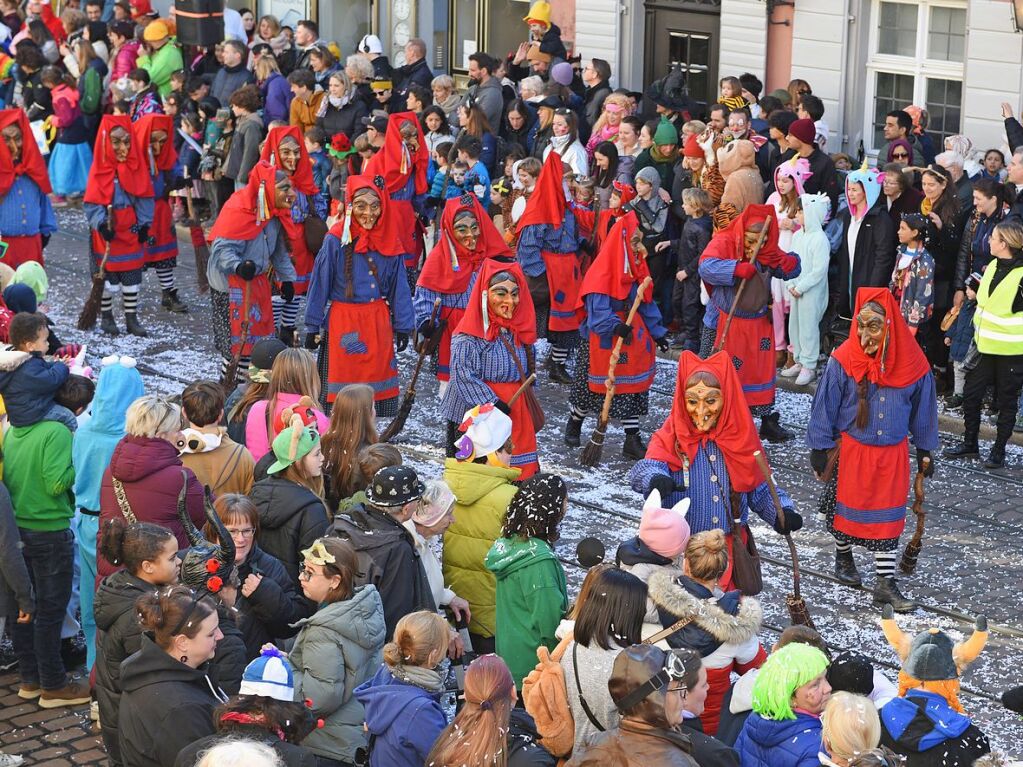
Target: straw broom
(398, 422)
(742, 286)
(592, 452)
(90, 312)
(909, 557)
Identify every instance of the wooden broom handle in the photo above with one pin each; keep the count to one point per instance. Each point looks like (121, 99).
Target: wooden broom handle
(616, 352)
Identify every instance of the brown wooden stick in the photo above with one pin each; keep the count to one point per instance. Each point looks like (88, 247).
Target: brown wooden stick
(742, 286)
(398, 422)
(912, 552)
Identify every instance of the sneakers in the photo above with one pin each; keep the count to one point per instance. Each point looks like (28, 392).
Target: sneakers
(806, 377)
(73, 693)
(29, 691)
(791, 372)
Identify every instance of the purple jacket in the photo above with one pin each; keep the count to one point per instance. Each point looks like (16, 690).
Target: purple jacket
(276, 98)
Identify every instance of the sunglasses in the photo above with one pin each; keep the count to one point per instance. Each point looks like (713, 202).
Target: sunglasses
(900, 156)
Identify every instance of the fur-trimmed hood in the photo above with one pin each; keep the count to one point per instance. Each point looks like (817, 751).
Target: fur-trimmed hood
(714, 616)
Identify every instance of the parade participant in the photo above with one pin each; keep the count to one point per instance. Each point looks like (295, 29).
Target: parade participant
(360, 273)
(548, 253)
(876, 389)
(728, 259)
(607, 294)
(119, 207)
(248, 237)
(26, 215)
(468, 236)
(285, 149)
(153, 133)
(622, 193)
(704, 452)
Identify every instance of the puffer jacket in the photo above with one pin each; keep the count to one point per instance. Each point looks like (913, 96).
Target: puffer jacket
(404, 719)
(28, 383)
(482, 496)
(291, 517)
(268, 612)
(337, 649)
(786, 743)
(635, 744)
(151, 472)
(925, 730)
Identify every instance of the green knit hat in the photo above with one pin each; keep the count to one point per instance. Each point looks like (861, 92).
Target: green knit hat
(31, 273)
(665, 133)
(293, 443)
(781, 675)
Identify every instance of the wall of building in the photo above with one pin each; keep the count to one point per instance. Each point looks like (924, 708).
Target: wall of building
(819, 56)
(743, 45)
(597, 31)
(994, 74)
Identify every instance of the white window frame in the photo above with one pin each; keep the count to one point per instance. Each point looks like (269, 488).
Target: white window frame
(918, 67)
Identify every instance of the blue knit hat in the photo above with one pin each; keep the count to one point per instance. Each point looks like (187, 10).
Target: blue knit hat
(270, 676)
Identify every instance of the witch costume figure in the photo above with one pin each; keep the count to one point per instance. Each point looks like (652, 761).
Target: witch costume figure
(154, 133)
(491, 357)
(724, 265)
(704, 452)
(247, 239)
(467, 237)
(360, 275)
(607, 294)
(548, 252)
(876, 390)
(285, 149)
(118, 204)
(26, 216)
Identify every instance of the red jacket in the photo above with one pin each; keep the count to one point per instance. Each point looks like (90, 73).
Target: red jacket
(150, 471)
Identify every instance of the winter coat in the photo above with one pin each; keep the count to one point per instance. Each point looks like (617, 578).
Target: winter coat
(594, 100)
(267, 613)
(290, 754)
(482, 494)
(28, 383)
(404, 720)
(227, 80)
(337, 649)
(974, 246)
(489, 97)
(291, 517)
(962, 331)
(125, 60)
(786, 743)
(388, 559)
(276, 98)
(244, 153)
(39, 475)
(346, 119)
(166, 705)
(15, 586)
(595, 665)
(531, 600)
(873, 261)
(708, 751)
(152, 476)
(408, 75)
(634, 556)
(161, 65)
(225, 469)
(231, 658)
(925, 730)
(907, 202)
(636, 744)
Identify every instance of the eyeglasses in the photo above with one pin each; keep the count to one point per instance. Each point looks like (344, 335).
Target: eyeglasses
(244, 532)
(900, 156)
(305, 574)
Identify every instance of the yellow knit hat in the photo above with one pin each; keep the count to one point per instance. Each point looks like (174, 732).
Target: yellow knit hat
(155, 31)
(539, 11)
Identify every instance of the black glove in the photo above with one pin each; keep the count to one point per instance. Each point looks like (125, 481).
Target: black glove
(143, 235)
(928, 469)
(662, 344)
(106, 232)
(663, 484)
(246, 270)
(623, 331)
(503, 407)
(45, 238)
(818, 460)
(401, 341)
(793, 522)
(426, 329)
(312, 341)
(287, 290)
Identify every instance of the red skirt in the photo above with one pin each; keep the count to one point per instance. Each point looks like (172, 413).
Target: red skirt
(524, 455)
(564, 279)
(636, 366)
(300, 255)
(873, 484)
(260, 312)
(751, 341)
(126, 252)
(23, 249)
(162, 230)
(453, 317)
(361, 349)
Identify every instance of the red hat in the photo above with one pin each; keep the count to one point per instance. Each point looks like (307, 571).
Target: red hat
(803, 130)
(692, 147)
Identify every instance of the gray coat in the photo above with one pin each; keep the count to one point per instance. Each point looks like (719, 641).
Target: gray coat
(490, 98)
(15, 587)
(336, 650)
(244, 154)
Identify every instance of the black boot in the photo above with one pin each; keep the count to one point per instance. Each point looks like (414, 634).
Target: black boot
(772, 430)
(557, 371)
(131, 322)
(965, 449)
(634, 447)
(573, 432)
(287, 335)
(996, 458)
(107, 324)
(172, 303)
(886, 592)
(845, 569)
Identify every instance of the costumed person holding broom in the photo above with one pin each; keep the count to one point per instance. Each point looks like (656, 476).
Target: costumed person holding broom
(608, 291)
(548, 252)
(26, 215)
(248, 238)
(467, 237)
(154, 133)
(743, 327)
(876, 390)
(492, 360)
(622, 193)
(360, 275)
(284, 148)
(705, 452)
(118, 204)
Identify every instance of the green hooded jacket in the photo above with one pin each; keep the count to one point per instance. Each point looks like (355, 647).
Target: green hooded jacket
(531, 600)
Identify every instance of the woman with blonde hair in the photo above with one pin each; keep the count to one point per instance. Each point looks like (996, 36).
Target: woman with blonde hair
(402, 702)
(352, 427)
(146, 481)
(616, 108)
(850, 726)
(269, 32)
(240, 752)
(274, 88)
(294, 383)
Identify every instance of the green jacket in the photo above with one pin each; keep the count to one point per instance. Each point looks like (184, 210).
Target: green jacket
(161, 65)
(531, 600)
(39, 475)
(482, 496)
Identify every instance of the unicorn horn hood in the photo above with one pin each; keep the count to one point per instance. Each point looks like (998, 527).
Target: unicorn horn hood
(871, 180)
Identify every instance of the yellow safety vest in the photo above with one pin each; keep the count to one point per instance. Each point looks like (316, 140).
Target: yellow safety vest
(998, 330)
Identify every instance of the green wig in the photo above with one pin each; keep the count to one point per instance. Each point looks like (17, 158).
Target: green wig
(781, 675)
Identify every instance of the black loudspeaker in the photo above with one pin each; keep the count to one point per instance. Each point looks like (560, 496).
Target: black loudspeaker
(199, 22)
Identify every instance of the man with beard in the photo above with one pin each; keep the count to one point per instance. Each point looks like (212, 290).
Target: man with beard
(485, 89)
(26, 216)
(739, 127)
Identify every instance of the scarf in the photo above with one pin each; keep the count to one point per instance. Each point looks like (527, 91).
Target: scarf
(394, 161)
(432, 680)
(302, 179)
(477, 320)
(617, 266)
(132, 174)
(383, 238)
(449, 266)
(249, 210)
(32, 163)
(546, 205)
(142, 131)
(657, 156)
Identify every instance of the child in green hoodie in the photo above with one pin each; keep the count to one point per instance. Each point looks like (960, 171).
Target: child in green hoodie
(531, 593)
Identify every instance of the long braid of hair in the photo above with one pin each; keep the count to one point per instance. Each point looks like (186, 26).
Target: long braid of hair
(349, 271)
(862, 406)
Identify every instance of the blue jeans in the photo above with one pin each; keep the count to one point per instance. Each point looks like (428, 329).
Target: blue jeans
(49, 557)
